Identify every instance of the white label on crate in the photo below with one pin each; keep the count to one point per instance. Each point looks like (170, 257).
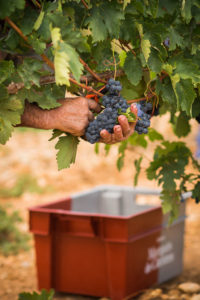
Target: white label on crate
(159, 257)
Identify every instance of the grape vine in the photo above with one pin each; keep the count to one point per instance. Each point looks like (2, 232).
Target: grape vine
(150, 48)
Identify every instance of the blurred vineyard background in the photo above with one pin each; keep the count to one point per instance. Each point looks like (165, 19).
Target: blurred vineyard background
(29, 176)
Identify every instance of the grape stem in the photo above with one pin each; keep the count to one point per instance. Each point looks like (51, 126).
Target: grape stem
(35, 2)
(141, 99)
(91, 72)
(85, 4)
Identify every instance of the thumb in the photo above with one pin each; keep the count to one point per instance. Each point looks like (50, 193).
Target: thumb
(133, 109)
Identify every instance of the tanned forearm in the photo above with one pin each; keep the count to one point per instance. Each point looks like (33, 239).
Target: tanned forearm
(35, 117)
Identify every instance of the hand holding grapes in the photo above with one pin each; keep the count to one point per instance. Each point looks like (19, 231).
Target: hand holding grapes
(121, 131)
(73, 116)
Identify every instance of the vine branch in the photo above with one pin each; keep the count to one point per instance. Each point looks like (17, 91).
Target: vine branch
(91, 72)
(85, 4)
(14, 87)
(141, 99)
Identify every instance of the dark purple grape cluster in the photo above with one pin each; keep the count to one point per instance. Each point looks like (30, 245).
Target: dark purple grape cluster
(114, 105)
(144, 115)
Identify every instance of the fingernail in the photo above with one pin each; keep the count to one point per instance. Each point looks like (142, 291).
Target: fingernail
(133, 106)
(122, 118)
(117, 128)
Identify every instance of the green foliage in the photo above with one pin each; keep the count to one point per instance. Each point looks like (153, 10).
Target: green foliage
(44, 295)
(24, 183)
(153, 43)
(137, 164)
(169, 169)
(12, 240)
(8, 7)
(67, 148)
(133, 69)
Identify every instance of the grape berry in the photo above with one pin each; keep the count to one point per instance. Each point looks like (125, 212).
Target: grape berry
(114, 105)
(144, 115)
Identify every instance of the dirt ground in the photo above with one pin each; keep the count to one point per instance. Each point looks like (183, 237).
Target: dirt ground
(29, 153)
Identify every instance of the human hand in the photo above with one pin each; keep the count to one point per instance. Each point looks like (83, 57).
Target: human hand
(121, 131)
(73, 115)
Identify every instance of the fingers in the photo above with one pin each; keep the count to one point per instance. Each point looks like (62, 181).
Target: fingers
(93, 105)
(90, 116)
(125, 126)
(118, 133)
(133, 108)
(121, 131)
(106, 136)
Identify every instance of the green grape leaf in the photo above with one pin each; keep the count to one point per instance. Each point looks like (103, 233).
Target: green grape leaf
(6, 69)
(196, 190)
(96, 148)
(120, 162)
(45, 98)
(29, 18)
(185, 94)
(10, 115)
(67, 148)
(168, 164)
(65, 59)
(97, 26)
(130, 91)
(154, 61)
(153, 5)
(137, 164)
(138, 140)
(75, 66)
(29, 72)
(38, 45)
(181, 126)
(196, 107)
(145, 43)
(186, 10)
(186, 69)
(112, 17)
(56, 133)
(44, 295)
(126, 2)
(61, 63)
(12, 40)
(165, 89)
(175, 39)
(121, 154)
(3, 92)
(170, 204)
(61, 59)
(39, 20)
(154, 135)
(133, 69)
(122, 58)
(9, 6)
(6, 129)
(107, 148)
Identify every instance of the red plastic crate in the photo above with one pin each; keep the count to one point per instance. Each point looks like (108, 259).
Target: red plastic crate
(101, 243)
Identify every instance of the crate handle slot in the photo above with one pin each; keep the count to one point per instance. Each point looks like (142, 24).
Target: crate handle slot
(79, 226)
